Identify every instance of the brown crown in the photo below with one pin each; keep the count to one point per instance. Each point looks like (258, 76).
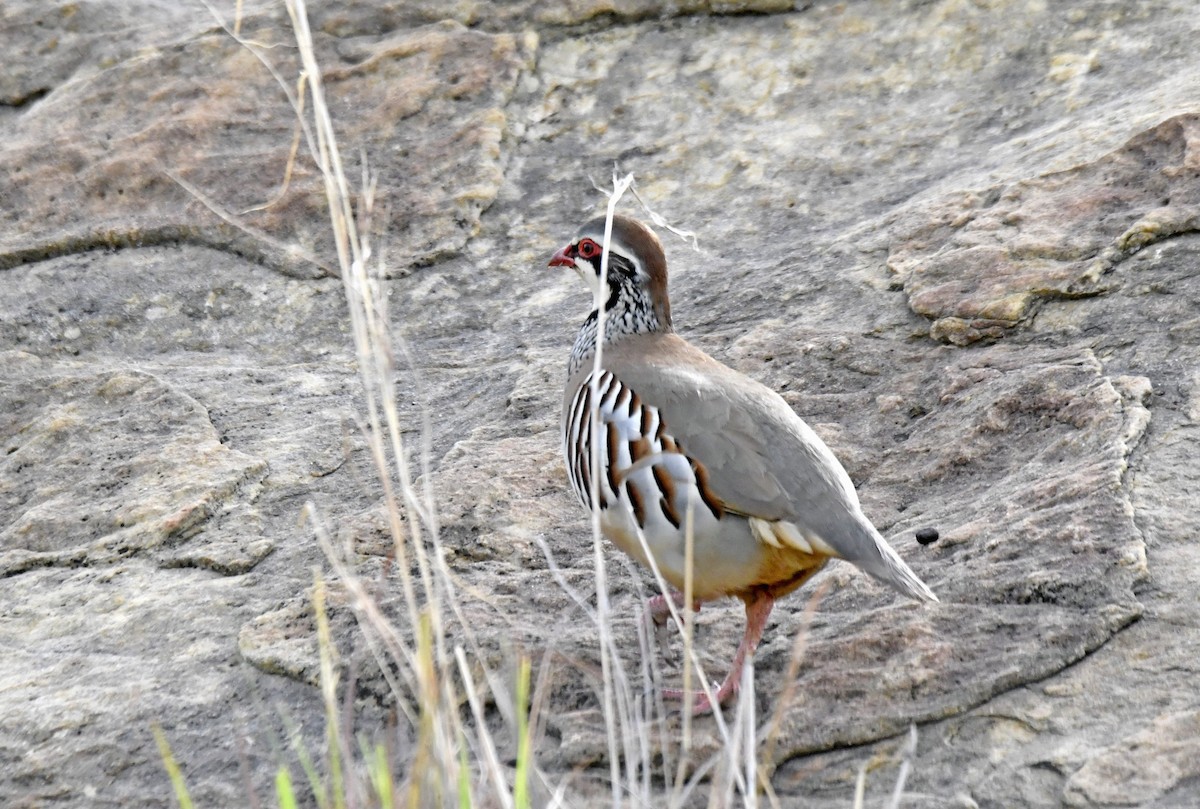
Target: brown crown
(633, 238)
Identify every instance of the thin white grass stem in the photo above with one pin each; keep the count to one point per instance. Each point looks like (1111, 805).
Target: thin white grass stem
(910, 750)
(290, 165)
(561, 580)
(541, 696)
(294, 97)
(683, 620)
(414, 508)
(351, 260)
(687, 630)
(739, 757)
(686, 620)
(764, 783)
(746, 705)
(658, 219)
(703, 770)
(339, 752)
(686, 625)
(369, 322)
(445, 590)
(487, 748)
(592, 615)
(607, 659)
(690, 655)
(328, 157)
(231, 220)
(375, 626)
(689, 622)
(373, 345)
(652, 706)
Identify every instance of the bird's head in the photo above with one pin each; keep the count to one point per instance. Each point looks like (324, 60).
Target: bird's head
(637, 271)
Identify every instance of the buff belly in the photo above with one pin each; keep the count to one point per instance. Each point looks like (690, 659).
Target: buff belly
(728, 558)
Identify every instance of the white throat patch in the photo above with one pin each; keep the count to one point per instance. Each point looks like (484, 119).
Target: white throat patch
(592, 279)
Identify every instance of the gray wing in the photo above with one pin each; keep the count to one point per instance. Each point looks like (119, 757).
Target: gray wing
(761, 458)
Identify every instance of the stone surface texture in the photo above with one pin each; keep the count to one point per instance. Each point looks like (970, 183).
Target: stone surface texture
(961, 239)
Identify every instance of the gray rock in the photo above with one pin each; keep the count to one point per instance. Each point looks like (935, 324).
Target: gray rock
(984, 261)
(1141, 768)
(960, 240)
(161, 476)
(121, 174)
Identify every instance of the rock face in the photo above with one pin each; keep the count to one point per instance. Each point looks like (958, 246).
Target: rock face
(962, 240)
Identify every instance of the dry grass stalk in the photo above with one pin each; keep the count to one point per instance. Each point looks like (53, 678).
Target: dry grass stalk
(432, 679)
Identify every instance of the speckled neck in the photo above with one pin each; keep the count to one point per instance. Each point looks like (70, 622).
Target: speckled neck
(629, 311)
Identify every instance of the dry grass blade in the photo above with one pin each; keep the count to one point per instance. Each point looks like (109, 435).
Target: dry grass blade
(494, 771)
(429, 676)
(329, 681)
(291, 251)
(860, 786)
(421, 677)
(909, 751)
(609, 660)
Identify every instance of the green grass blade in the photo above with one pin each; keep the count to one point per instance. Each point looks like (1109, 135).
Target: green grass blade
(284, 792)
(173, 771)
(310, 772)
(521, 788)
(380, 773)
(328, 679)
(464, 773)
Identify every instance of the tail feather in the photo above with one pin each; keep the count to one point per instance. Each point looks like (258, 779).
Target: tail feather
(900, 576)
(878, 558)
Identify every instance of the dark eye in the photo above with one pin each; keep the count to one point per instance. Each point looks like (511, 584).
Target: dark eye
(588, 248)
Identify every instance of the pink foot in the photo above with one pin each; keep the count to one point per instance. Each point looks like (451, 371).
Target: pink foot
(700, 702)
(758, 609)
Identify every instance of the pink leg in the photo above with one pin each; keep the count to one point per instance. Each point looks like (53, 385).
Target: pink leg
(758, 609)
(659, 610)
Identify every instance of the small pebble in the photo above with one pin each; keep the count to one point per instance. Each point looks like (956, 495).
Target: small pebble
(927, 536)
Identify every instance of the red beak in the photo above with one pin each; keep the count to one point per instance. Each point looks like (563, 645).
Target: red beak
(564, 257)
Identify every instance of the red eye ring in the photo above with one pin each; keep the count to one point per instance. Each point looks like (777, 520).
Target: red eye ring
(588, 248)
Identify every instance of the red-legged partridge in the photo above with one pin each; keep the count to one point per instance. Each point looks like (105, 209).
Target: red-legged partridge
(770, 503)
